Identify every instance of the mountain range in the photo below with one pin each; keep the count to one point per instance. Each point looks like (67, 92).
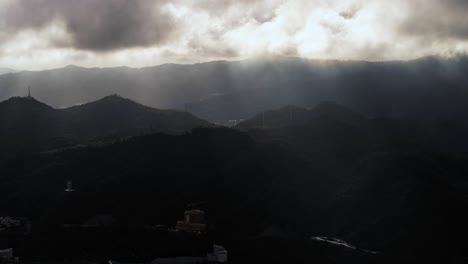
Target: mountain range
(427, 89)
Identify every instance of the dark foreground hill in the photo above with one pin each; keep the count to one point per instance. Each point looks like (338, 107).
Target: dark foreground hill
(387, 174)
(397, 199)
(30, 125)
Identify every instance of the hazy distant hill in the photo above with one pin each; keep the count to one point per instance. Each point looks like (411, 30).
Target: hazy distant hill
(294, 116)
(30, 124)
(429, 89)
(6, 70)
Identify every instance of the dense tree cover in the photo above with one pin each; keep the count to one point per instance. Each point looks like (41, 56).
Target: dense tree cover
(388, 185)
(30, 125)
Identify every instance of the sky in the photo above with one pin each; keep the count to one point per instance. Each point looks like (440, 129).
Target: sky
(44, 34)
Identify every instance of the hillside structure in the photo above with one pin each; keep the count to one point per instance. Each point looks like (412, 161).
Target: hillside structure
(7, 257)
(194, 221)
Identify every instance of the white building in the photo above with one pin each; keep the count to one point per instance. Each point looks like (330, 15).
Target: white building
(219, 254)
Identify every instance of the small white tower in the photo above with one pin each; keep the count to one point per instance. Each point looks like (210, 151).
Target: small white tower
(69, 187)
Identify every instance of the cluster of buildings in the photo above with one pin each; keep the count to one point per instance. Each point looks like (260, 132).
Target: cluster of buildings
(14, 225)
(233, 122)
(193, 223)
(7, 257)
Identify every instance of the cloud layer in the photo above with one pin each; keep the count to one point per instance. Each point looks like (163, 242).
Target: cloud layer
(36, 34)
(438, 20)
(103, 25)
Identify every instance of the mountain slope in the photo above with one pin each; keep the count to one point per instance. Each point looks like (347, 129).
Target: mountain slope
(114, 114)
(28, 124)
(388, 176)
(336, 122)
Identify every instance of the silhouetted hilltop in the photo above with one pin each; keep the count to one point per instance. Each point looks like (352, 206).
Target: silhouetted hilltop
(288, 115)
(115, 114)
(295, 116)
(23, 104)
(28, 124)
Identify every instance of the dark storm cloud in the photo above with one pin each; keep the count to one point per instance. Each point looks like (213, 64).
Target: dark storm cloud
(437, 19)
(38, 34)
(97, 25)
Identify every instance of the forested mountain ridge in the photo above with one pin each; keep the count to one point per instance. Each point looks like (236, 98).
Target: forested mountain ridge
(428, 89)
(28, 124)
